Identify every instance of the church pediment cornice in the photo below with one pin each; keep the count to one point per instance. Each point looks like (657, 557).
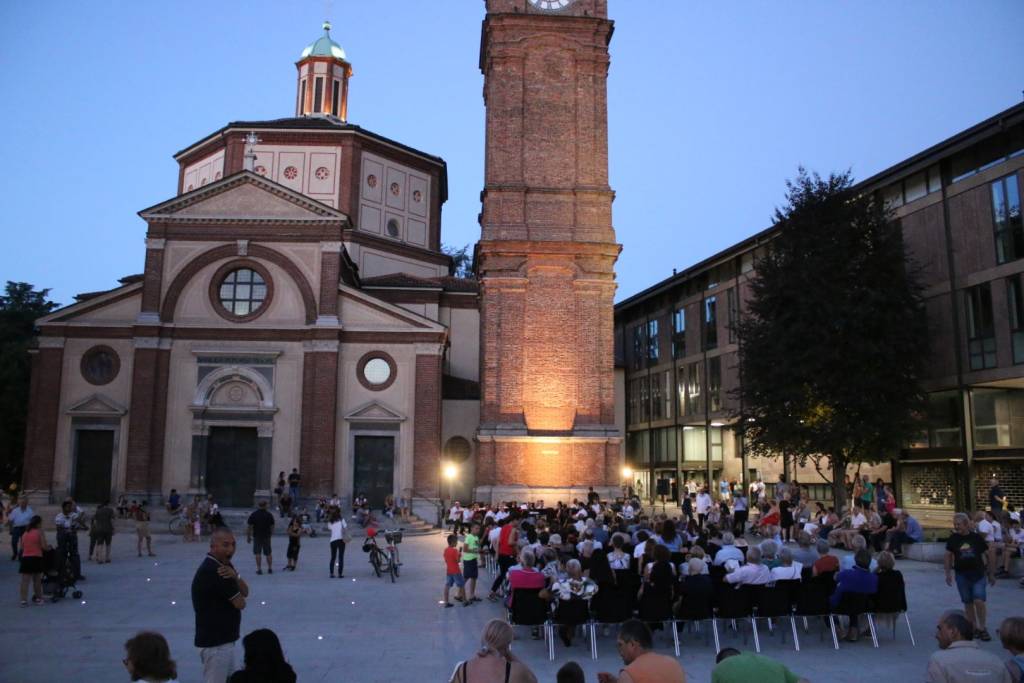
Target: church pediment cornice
(281, 205)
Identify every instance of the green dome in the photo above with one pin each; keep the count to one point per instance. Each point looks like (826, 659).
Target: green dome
(324, 46)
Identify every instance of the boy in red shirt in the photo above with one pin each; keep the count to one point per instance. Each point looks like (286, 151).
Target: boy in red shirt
(453, 576)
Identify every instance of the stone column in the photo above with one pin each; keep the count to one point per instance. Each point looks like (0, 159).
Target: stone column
(43, 415)
(319, 416)
(427, 425)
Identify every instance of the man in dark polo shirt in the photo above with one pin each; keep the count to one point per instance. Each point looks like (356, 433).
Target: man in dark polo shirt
(218, 598)
(261, 526)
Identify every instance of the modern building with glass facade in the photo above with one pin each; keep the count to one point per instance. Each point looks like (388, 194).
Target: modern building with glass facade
(959, 209)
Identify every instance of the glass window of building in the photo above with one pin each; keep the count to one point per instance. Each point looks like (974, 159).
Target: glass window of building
(981, 334)
(657, 402)
(1015, 304)
(942, 422)
(998, 417)
(679, 332)
(681, 390)
(694, 396)
(710, 323)
(1006, 219)
(715, 383)
(639, 346)
(733, 301)
(652, 341)
(645, 400)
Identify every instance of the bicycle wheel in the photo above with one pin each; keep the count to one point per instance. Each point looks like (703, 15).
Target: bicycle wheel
(176, 525)
(375, 561)
(392, 568)
(394, 563)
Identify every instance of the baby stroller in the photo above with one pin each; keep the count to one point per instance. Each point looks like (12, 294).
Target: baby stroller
(59, 575)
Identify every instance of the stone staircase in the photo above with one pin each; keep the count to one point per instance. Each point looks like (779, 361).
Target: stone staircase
(237, 518)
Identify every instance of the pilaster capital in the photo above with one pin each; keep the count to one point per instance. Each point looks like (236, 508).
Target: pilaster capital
(156, 243)
(51, 342)
(429, 349)
(330, 247)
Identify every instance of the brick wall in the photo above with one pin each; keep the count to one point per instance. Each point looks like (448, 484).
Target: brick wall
(147, 418)
(319, 421)
(44, 411)
(427, 426)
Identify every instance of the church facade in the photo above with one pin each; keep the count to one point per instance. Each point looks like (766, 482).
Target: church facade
(295, 308)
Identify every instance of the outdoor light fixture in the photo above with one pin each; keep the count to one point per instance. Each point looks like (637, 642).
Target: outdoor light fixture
(450, 471)
(627, 473)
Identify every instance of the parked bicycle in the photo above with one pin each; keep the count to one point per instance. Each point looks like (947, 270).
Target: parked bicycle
(383, 560)
(177, 523)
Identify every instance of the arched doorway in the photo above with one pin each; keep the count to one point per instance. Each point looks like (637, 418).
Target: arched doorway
(458, 462)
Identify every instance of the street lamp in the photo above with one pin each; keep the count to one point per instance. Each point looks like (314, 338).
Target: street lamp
(450, 471)
(627, 478)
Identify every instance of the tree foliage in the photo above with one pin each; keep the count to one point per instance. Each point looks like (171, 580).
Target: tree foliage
(20, 305)
(462, 260)
(834, 345)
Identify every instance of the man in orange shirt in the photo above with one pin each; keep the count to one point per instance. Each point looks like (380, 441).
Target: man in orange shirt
(642, 665)
(453, 574)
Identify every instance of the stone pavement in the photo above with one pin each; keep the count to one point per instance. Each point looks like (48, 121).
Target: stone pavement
(365, 629)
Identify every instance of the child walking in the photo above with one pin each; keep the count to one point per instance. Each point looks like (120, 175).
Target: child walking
(453, 576)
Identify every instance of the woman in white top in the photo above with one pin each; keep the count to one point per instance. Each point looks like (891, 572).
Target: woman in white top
(337, 527)
(618, 558)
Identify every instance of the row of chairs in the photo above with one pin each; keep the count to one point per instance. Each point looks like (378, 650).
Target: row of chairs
(793, 600)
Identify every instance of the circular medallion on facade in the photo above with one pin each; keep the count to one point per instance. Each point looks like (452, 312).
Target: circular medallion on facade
(417, 196)
(262, 170)
(202, 182)
(190, 188)
(322, 173)
(395, 189)
(376, 370)
(371, 180)
(216, 176)
(100, 365)
(235, 394)
(457, 450)
(241, 290)
(291, 173)
(394, 229)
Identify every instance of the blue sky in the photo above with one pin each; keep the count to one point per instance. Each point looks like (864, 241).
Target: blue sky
(712, 106)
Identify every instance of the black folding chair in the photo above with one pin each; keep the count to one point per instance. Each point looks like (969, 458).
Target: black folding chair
(529, 609)
(855, 605)
(891, 600)
(571, 614)
(775, 602)
(812, 600)
(734, 603)
(694, 607)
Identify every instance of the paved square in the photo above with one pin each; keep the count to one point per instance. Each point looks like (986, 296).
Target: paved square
(372, 630)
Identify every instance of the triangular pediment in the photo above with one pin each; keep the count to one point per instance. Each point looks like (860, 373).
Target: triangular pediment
(375, 411)
(244, 196)
(97, 406)
(360, 311)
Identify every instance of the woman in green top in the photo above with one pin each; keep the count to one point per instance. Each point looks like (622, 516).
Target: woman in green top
(470, 556)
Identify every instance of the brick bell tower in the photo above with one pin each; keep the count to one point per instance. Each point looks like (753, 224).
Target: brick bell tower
(546, 255)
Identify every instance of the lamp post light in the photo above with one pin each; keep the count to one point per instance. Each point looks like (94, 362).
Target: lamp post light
(627, 478)
(450, 471)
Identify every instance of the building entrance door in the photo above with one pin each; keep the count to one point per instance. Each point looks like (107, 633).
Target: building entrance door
(374, 473)
(94, 456)
(231, 465)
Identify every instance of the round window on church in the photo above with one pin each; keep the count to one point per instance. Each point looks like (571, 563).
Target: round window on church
(376, 370)
(241, 291)
(394, 229)
(100, 365)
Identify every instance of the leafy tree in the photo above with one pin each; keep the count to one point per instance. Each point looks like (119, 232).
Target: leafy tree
(835, 339)
(20, 305)
(462, 260)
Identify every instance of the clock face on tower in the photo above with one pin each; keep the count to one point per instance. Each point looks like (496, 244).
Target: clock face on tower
(551, 5)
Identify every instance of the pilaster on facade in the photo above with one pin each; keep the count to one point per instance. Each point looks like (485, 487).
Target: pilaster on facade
(43, 415)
